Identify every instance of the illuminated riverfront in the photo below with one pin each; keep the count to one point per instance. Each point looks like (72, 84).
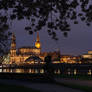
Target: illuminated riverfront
(30, 59)
(28, 55)
(34, 55)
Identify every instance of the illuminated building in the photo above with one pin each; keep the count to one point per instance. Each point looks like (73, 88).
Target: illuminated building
(20, 55)
(87, 58)
(33, 54)
(70, 59)
(37, 43)
(29, 54)
(88, 55)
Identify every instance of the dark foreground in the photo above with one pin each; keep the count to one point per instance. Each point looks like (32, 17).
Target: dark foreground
(27, 77)
(42, 87)
(4, 87)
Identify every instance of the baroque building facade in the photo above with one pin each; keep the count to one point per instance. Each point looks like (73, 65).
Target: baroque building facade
(20, 55)
(29, 54)
(34, 55)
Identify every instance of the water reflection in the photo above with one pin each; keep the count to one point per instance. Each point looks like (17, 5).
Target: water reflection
(0, 70)
(22, 70)
(69, 72)
(41, 70)
(75, 71)
(57, 71)
(89, 72)
(36, 71)
(19, 71)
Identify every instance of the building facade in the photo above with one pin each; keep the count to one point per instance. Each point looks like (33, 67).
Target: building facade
(20, 55)
(87, 58)
(31, 53)
(88, 55)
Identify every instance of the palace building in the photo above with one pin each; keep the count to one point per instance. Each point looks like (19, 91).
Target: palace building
(28, 54)
(23, 54)
(34, 55)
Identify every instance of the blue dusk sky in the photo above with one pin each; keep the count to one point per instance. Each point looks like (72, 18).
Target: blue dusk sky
(79, 39)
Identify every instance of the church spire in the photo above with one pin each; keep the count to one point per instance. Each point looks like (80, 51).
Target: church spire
(38, 38)
(37, 43)
(13, 45)
(13, 41)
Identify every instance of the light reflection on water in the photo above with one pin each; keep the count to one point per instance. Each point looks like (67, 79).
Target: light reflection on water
(58, 71)
(0, 70)
(22, 70)
(89, 72)
(69, 71)
(75, 71)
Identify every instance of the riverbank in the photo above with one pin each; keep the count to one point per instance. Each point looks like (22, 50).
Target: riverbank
(84, 85)
(75, 81)
(42, 87)
(4, 87)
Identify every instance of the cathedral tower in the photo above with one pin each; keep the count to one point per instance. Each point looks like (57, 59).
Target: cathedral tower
(37, 43)
(13, 45)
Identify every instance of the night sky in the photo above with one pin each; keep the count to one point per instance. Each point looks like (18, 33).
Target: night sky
(79, 39)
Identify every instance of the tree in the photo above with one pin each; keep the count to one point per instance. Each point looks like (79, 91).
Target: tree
(53, 14)
(4, 35)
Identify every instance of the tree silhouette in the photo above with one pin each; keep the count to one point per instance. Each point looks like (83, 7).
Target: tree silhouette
(52, 14)
(55, 14)
(4, 35)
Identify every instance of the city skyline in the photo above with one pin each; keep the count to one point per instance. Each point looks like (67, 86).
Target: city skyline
(46, 45)
(78, 40)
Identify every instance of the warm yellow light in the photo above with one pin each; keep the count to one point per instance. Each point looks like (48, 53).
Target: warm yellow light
(38, 45)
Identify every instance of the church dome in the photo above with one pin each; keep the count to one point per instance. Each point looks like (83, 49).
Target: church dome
(33, 60)
(37, 43)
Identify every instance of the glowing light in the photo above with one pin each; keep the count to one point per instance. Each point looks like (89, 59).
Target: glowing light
(57, 71)
(0, 70)
(38, 45)
(75, 71)
(42, 71)
(89, 72)
(18, 70)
